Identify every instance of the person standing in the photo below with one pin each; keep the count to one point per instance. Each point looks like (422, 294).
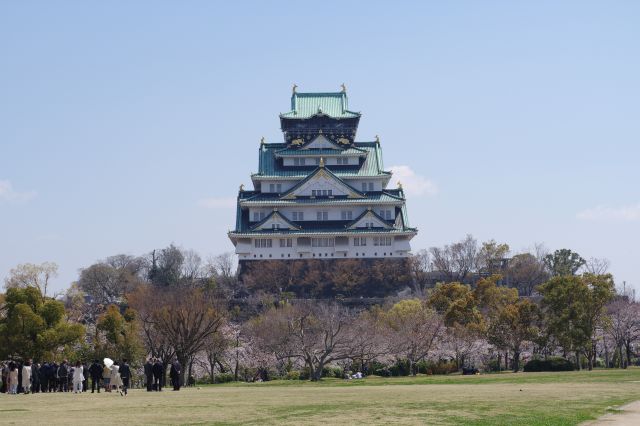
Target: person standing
(116, 381)
(158, 371)
(125, 375)
(148, 374)
(78, 377)
(13, 378)
(96, 373)
(176, 370)
(63, 373)
(26, 377)
(35, 377)
(85, 379)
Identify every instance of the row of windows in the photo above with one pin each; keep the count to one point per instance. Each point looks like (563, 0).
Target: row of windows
(321, 192)
(323, 242)
(275, 187)
(324, 215)
(343, 161)
(367, 186)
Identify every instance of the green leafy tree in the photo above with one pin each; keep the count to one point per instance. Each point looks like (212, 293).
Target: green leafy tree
(563, 262)
(120, 335)
(514, 324)
(574, 307)
(32, 326)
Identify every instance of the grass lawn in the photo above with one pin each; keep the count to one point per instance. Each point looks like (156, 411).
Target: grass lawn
(523, 398)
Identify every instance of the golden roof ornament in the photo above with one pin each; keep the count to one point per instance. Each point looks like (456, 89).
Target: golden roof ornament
(293, 89)
(377, 139)
(399, 185)
(262, 140)
(321, 162)
(344, 88)
(241, 187)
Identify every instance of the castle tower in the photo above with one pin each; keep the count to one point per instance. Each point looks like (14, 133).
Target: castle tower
(320, 194)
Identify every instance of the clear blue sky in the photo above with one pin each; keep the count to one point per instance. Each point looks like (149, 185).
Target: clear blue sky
(125, 126)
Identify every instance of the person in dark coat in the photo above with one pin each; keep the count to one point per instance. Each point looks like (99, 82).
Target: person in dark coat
(35, 377)
(85, 374)
(52, 375)
(125, 375)
(63, 377)
(158, 370)
(148, 374)
(95, 371)
(176, 370)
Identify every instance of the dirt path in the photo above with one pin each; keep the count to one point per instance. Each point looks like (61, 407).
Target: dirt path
(629, 415)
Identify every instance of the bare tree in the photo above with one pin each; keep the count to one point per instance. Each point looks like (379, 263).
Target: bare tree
(524, 272)
(31, 275)
(597, 266)
(420, 269)
(316, 334)
(624, 327)
(412, 330)
(457, 260)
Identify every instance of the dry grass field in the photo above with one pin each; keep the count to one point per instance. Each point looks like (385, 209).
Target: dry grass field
(523, 398)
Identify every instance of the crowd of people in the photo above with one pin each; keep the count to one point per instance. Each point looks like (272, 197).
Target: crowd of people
(32, 377)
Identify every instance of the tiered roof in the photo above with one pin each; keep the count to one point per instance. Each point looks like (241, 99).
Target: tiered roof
(307, 105)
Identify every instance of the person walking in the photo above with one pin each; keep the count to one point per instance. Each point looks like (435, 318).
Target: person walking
(96, 374)
(106, 378)
(78, 377)
(158, 371)
(176, 371)
(125, 375)
(26, 377)
(148, 374)
(116, 381)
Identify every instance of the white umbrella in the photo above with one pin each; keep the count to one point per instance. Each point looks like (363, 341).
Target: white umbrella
(108, 362)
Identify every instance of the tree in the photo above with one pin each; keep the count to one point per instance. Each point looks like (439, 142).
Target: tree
(624, 327)
(574, 307)
(413, 330)
(31, 275)
(514, 324)
(457, 260)
(316, 334)
(525, 272)
(492, 257)
(187, 317)
(121, 335)
(563, 262)
(32, 326)
(166, 266)
(596, 266)
(457, 304)
(420, 269)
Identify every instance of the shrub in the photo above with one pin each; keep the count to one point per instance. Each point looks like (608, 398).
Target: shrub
(439, 367)
(292, 375)
(549, 364)
(224, 378)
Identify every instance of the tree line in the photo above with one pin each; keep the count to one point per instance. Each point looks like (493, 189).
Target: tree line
(462, 305)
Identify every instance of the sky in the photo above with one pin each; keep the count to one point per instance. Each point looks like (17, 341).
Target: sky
(126, 126)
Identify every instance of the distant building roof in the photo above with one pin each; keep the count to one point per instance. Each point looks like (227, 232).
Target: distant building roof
(306, 105)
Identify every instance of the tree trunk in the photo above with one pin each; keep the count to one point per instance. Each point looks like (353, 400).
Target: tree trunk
(516, 361)
(578, 363)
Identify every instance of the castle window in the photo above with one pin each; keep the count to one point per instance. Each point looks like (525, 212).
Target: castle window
(275, 226)
(262, 243)
(382, 241)
(360, 241)
(347, 215)
(298, 161)
(258, 216)
(322, 242)
(343, 161)
(286, 242)
(297, 215)
(322, 215)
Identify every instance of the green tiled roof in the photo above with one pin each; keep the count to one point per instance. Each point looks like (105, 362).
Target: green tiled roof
(408, 231)
(272, 200)
(269, 167)
(349, 152)
(306, 105)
